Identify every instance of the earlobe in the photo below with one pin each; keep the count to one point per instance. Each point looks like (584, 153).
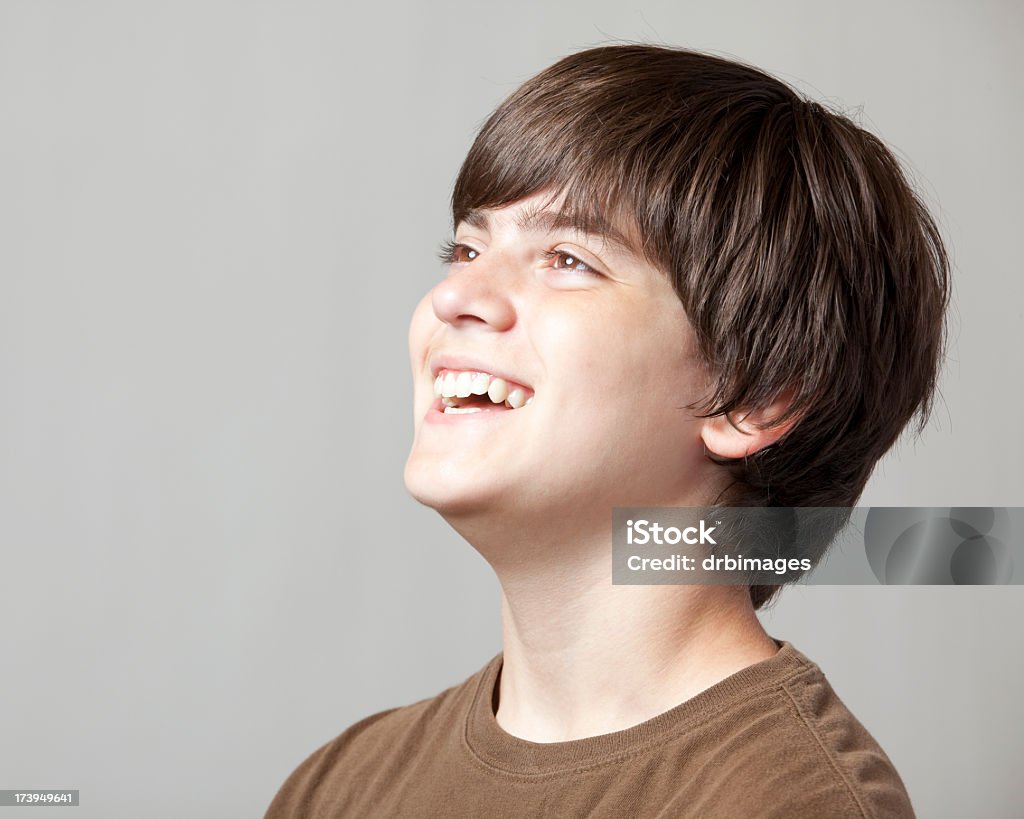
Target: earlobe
(742, 433)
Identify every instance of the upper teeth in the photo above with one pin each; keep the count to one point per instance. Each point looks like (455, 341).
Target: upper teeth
(451, 384)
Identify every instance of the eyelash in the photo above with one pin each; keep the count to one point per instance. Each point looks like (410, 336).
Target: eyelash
(449, 249)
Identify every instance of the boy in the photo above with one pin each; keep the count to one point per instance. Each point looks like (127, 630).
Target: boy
(673, 282)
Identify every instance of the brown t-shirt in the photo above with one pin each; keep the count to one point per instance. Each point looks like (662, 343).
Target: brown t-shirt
(772, 740)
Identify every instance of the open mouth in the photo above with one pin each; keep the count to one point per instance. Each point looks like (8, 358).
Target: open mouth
(469, 391)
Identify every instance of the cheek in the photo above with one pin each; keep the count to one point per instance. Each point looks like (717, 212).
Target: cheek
(628, 377)
(639, 356)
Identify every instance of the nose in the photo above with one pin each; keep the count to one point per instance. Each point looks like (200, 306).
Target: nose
(475, 294)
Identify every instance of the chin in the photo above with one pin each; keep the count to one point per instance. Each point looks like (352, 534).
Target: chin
(450, 492)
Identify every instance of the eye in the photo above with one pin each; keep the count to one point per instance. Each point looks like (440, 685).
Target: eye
(563, 260)
(455, 252)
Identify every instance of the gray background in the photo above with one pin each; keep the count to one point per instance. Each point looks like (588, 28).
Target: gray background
(215, 219)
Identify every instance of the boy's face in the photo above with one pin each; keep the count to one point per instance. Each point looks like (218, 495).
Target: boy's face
(599, 342)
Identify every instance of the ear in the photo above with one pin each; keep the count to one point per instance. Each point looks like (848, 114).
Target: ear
(742, 433)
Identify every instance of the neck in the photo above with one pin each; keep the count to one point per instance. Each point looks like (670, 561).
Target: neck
(583, 657)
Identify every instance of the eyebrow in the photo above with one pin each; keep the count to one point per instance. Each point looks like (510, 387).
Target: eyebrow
(547, 221)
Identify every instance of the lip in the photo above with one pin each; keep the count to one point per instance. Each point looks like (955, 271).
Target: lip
(445, 361)
(437, 415)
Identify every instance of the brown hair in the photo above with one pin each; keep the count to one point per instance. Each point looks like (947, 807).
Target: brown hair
(802, 256)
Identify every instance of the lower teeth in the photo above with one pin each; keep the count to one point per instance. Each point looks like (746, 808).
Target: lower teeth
(461, 410)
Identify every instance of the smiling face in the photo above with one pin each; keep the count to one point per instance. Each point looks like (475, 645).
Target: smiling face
(591, 345)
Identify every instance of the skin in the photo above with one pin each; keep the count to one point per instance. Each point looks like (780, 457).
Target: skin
(602, 339)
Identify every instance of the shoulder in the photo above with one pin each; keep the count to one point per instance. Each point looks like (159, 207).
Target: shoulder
(811, 756)
(858, 761)
(366, 748)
